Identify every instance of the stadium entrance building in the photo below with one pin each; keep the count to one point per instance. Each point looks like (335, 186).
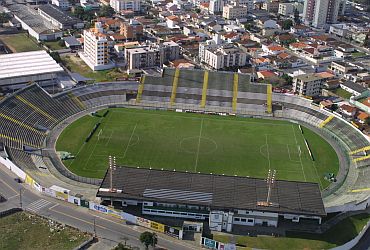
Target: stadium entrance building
(223, 200)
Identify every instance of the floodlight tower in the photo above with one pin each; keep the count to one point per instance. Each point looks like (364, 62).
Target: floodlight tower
(112, 167)
(270, 183)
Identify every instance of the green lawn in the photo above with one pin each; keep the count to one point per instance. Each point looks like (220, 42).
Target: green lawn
(342, 93)
(197, 143)
(20, 43)
(358, 54)
(77, 65)
(25, 231)
(341, 233)
(54, 45)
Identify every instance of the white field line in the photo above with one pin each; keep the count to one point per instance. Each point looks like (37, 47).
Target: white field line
(268, 153)
(200, 136)
(300, 158)
(129, 141)
(106, 144)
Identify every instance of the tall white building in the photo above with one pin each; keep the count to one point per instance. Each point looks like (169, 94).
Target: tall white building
(119, 5)
(216, 6)
(319, 13)
(286, 9)
(95, 53)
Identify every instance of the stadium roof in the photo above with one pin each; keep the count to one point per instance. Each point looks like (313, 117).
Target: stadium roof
(59, 15)
(27, 63)
(215, 191)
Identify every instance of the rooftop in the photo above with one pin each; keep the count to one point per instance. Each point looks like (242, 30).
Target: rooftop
(216, 191)
(30, 16)
(58, 14)
(27, 63)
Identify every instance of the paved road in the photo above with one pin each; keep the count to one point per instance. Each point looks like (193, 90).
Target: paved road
(111, 230)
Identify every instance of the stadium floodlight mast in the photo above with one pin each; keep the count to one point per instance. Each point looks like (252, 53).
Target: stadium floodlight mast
(112, 167)
(270, 180)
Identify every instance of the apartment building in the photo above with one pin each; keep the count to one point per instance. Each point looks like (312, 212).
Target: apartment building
(95, 53)
(248, 3)
(234, 11)
(120, 5)
(286, 9)
(224, 56)
(271, 6)
(319, 13)
(151, 55)
(132, 30)
(216, 6)
(308, 84)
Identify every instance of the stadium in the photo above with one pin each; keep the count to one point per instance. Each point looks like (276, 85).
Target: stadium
(191, 121)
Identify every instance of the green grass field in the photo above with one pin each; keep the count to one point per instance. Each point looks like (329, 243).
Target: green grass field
(20, 43)
(196, 143)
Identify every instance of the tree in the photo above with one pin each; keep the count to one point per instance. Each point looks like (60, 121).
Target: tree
(148, 239)
(61, 43)
(5, 17)
(106, 11)
(287, 24)
(288, 79)
(297, 19)
(56, 56)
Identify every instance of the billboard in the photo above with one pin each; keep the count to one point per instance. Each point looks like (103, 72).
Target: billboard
(61, 196)
(74, 200)
(157, 226)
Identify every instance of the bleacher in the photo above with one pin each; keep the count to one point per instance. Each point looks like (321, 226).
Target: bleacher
(29, 114)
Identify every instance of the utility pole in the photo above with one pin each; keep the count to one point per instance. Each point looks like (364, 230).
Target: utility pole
(20, 197)
(94, 226)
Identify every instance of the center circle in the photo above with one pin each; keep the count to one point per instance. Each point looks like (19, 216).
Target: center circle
(198, 145)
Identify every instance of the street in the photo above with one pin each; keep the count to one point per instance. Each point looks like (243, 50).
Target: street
(109, 230)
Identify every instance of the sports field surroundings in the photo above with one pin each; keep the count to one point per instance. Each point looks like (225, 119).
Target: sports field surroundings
(19, 43)
(77, 65)
(196, 143)
(27, 231)
(338, 235)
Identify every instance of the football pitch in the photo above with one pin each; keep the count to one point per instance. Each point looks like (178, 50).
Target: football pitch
(196, 143)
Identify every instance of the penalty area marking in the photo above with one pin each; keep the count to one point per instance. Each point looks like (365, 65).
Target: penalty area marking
(300, 152)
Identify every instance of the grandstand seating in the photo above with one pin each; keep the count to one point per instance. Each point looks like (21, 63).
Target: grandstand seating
(27, 116)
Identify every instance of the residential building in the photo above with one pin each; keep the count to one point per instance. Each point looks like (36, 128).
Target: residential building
(132, 30)
(234, 11)
(216, 6)
(63, 4)
(248, 3)
(319, 13)
(143, 57)
(224, 56)
(95, 52)
(308, 84)
(271, 6)
(342, 68)
(59, 18)
(151, 55)
(120, 5)
(286, 9)
(223, 201)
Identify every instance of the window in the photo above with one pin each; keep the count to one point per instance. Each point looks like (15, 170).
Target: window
(236, 219)
(243, 220)
(250, 220)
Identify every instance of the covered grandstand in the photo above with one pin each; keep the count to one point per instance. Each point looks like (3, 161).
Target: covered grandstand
(32, 119)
